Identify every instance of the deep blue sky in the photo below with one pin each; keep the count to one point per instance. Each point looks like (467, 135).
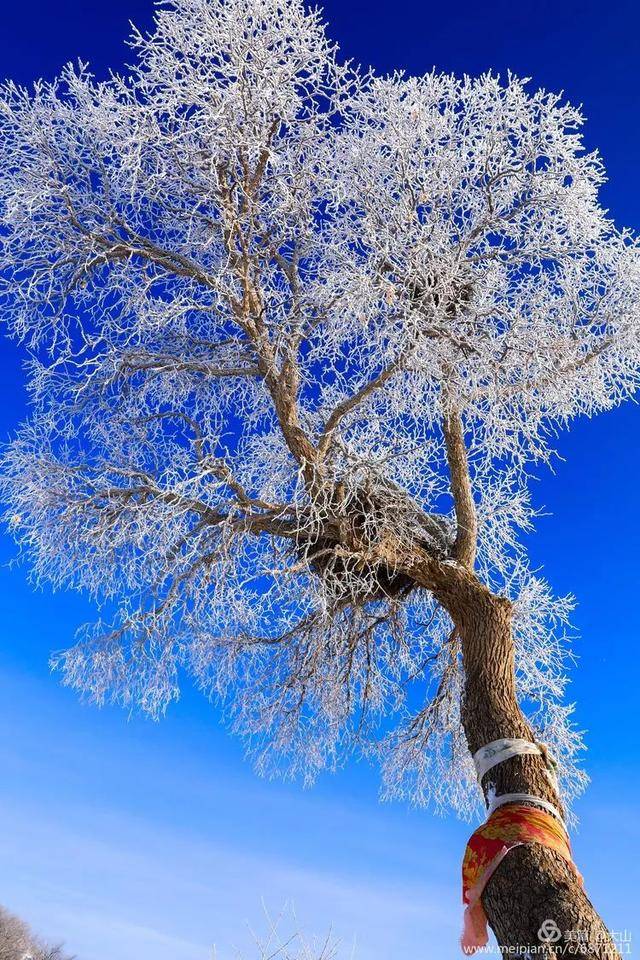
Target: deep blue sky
(135, 840)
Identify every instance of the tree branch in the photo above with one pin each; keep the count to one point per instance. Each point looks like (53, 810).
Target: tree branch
(349, 404)
(466, 516)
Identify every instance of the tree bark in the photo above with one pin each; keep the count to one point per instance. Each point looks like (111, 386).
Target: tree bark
(533, 884)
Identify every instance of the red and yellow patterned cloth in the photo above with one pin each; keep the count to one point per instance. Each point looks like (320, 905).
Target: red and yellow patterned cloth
(508, 826)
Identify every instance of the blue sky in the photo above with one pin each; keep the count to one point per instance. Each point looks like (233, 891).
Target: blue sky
(154, 841)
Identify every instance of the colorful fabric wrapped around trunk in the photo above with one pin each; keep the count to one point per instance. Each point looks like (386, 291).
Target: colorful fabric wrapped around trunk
(508, 826)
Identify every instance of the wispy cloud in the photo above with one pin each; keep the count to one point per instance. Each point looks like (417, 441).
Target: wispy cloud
(139, 892)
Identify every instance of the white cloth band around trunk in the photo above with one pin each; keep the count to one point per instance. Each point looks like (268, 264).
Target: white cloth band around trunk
(498, 750)
(523, 798)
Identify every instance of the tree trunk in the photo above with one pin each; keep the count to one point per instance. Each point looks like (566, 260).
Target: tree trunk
(533, 884)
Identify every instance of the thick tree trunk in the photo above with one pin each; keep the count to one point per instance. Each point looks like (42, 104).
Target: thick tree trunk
(533, 884)
(535, 902)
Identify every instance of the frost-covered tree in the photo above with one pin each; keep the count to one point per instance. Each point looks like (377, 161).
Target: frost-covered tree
(18, 942)
(283, 939)
(299, 334)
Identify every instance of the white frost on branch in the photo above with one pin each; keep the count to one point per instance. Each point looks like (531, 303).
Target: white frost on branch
(282, 938)
(253, 280)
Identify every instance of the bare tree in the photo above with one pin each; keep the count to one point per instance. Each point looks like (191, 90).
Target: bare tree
(299, 334)
(18, 942)
(283, 939)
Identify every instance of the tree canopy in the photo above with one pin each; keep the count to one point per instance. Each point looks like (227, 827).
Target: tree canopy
(271, 301)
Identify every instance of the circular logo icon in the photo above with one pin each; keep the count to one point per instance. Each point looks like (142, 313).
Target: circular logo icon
(549, 932)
